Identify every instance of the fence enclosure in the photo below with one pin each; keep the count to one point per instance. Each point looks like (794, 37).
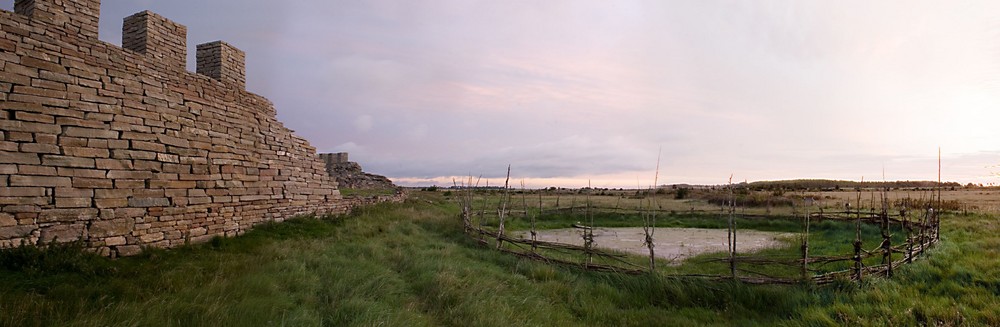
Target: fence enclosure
(918, 230)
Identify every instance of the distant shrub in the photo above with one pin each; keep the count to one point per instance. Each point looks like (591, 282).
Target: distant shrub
(682, 193)
(753, 200)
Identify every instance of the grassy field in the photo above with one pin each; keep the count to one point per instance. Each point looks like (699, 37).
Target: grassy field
(411, 265)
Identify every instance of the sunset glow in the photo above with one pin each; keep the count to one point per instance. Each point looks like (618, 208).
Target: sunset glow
(568, 92)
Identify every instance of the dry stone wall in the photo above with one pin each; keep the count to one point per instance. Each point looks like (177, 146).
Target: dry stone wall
(122, 148)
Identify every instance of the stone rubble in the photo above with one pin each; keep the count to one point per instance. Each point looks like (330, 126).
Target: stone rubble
(350, 175)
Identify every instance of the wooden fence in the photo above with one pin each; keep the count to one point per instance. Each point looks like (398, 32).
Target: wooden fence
(922, 231)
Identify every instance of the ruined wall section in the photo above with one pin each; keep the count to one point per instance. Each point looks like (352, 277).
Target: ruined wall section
(123, 148)
(349, 174)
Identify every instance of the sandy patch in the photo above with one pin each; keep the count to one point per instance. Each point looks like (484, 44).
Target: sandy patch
(671, 243)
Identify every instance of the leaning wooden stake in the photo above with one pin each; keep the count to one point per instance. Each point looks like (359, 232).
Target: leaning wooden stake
(937, 213)
(504, 198)
(732, 229)
(534, 233)
(649, 220)
(482, 209)
(649, 227)
(588, 239)
(531, 217)
(886, 237)
(923, 229)
(909, 234)
(732, 264)
(805, 251)
(857, 238)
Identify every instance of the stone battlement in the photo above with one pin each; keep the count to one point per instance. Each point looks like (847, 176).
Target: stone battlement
(122, 147)
(156, 37)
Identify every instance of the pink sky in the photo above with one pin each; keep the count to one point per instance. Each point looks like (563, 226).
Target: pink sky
(571, 91)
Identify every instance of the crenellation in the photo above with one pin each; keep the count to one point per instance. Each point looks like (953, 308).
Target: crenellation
(156, 37)
(223, 62)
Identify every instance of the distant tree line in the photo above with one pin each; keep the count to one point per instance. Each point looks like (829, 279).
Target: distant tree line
(826, 184)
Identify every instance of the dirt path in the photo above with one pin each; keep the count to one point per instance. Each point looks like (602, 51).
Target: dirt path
(674, 244)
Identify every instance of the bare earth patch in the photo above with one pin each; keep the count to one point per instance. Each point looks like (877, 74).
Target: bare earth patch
(674, 244)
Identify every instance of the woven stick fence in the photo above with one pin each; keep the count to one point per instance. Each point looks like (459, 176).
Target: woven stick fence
(921, 233)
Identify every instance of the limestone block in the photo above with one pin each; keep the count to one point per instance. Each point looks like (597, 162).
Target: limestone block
(128, 250)
(86, 152)
(173, 141)
(113, 164)
(67, 215)
(81, 172)
(22, 191)
(67, 161)
(40, 181)
(129, 183)
(67, 192)
(8, 169)
(10, 232)
(73, 131)
(110, 203)
(151, 237)
(148, 146)
(95, 183)
(107, 228)
(19, 158)
(112, 193)
(62, 233)
(114, 241)
(29, 127)
(73, 202)
(129, 174)
(37, 170)
(148, 202)
(45, 138)
(39, 148)
(7, 220)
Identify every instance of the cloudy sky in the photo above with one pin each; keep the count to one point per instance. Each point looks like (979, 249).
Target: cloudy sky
(568, 92)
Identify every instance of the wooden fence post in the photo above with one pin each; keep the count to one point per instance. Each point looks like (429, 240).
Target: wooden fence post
(857, 245)
(923, 230)
(886, 240)
(732, 229)
(909, 235)
(805, 251)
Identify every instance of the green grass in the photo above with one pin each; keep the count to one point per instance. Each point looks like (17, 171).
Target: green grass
(606, 219)
(827, 238)
(411, 265)
(357, 192)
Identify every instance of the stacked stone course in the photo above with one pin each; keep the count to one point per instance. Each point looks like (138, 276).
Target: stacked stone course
(122, 148)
